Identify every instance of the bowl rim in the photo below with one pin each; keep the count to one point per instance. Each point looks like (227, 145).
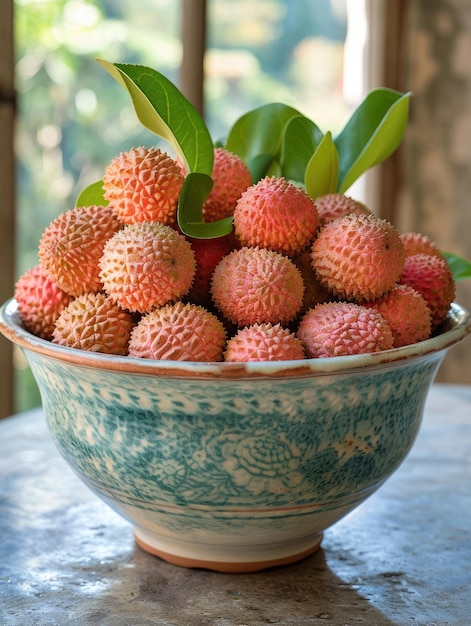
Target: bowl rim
(456, 327)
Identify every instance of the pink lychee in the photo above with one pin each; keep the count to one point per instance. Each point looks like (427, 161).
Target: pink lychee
(264, 342)
(417, 243)
(143, 185)
(331, 206)
(179, 332)
(71, 246)
(231, 178)
(277, 215)
(256, 285)
(343, 328)
(407, 314)
(94, 322)
(40, 301)
(146, 265)
(433, 279)
(358, 257)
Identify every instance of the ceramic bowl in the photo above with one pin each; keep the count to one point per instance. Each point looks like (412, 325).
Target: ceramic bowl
(233, 467)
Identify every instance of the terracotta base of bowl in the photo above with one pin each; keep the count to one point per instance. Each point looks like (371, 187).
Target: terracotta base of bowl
(230, 567)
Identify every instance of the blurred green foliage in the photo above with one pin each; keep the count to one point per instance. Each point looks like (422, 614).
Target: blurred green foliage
(73, 118)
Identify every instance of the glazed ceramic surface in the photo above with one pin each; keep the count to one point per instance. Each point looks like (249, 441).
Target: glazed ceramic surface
(228, 466)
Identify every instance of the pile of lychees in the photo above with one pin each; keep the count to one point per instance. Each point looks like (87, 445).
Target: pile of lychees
(296, 278)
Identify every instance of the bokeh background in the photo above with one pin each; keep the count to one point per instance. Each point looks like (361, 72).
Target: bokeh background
(320, 56)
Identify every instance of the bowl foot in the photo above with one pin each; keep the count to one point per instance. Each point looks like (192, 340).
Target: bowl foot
(221, 561)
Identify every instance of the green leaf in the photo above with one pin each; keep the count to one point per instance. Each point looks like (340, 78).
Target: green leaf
(322, 171)
(259, 132)
(460, 267)
(165, 111)
(274, 169)
(92, 195)
(372, 134)
(195, 190)
(259, 166)
(300, 139)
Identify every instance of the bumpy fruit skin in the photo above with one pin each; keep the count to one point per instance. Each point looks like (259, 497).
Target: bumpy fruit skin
(264, 342)
(147, 265)
(179, 332)
(71, 246)
(407, 313)
(256, 285)
(94, 322)
(331, 206)
(143, 185)
(40, 301)
(433, 279)
(358, 257)
(231, 178)
(416, 243)
(208, 253)
(343, 328)
(314, 291)
(276, 215)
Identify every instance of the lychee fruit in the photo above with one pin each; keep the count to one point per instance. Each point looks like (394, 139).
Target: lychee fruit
(256, 285)
(314, 291)
(343, 328)
(40, 301)
(358, 257)
(231, 177)
(71, 246)
(417, 243)
(331, 206)
(143, 185)
(147, 265)
(208, 253)
(277, 215)
(94, 322)
(264, 342)
(433, 279)
(407, 314)
(179, 332)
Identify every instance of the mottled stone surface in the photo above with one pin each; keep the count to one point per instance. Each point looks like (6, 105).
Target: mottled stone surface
(436, 168)
(402, 558)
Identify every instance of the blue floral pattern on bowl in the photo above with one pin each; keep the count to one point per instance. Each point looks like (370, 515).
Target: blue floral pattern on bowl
(216, 464)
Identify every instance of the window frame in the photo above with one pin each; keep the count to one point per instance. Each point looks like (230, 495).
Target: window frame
(7, 189)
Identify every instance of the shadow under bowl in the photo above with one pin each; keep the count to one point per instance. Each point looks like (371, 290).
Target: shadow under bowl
(228, 466)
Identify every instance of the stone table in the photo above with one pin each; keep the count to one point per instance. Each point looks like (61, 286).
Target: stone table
(402, 558)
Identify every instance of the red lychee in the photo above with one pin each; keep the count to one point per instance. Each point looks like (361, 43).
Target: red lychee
(343, 328)
(314, 291)
(208, 253)
(179, 332)
(40, 301)
(407, 314)
(143, 185)
(146, 265)
(256, 285)
(358, 257)
(231, 178)
(330, 206)
(416, 243)
(94, 322)
(71, 246)
(264, 342)
(276, 215)
(433, 279)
